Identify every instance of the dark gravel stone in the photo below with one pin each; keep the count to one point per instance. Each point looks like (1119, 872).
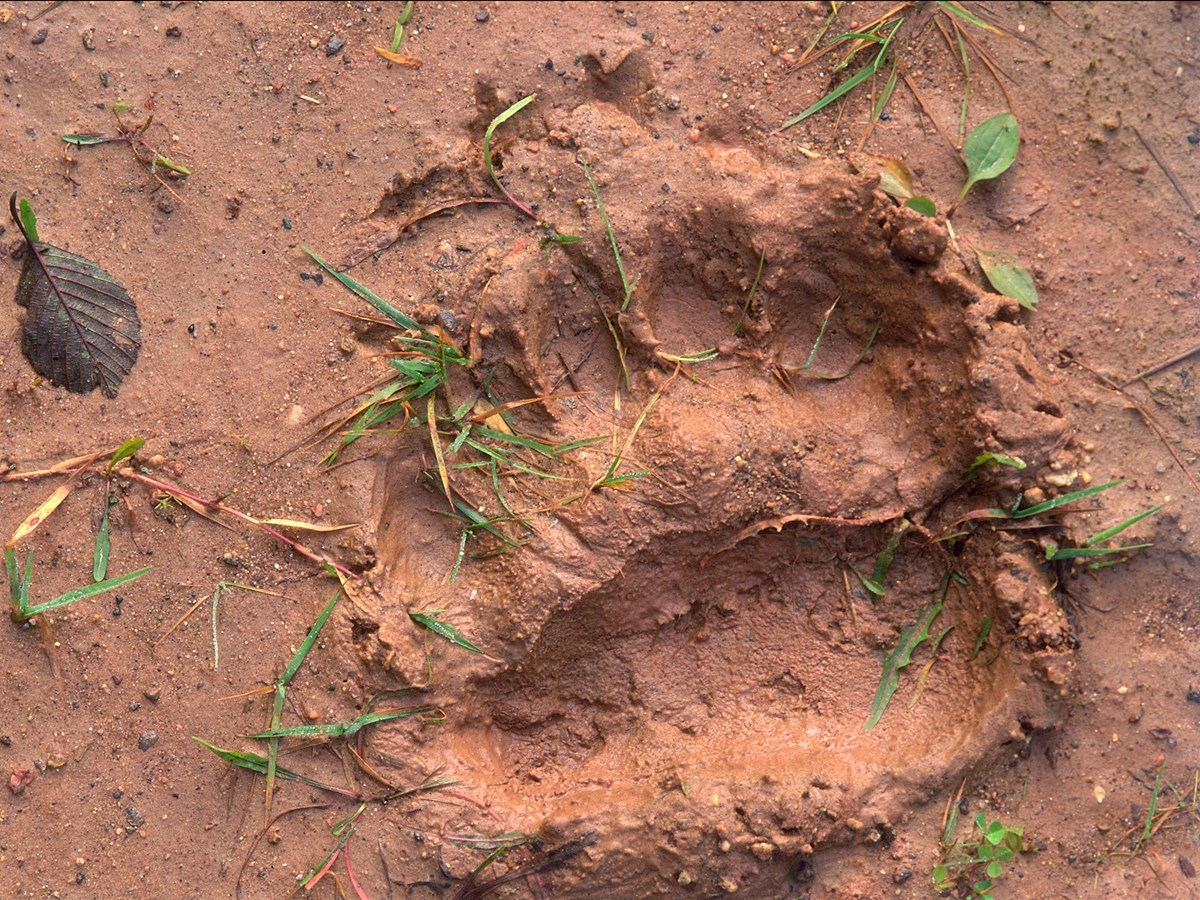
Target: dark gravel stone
(42, 34)
(334, 46)
(147, 740)
(134, 817)
(483, 16)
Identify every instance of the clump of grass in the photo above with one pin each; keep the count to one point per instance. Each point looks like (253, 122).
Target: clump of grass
(133, 134)
(972, 867)
(466, 436)
(18, 588)
(1091, 548)
(883, 34)
(807, 370)
(911, 637)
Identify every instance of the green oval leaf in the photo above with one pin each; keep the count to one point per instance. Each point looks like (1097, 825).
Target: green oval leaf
(990, 149)
(1008, 276)
(923, 205)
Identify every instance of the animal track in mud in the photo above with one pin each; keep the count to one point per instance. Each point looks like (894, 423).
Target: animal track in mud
(681, 666)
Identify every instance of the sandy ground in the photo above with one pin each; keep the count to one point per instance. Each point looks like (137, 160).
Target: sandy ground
(679, 658)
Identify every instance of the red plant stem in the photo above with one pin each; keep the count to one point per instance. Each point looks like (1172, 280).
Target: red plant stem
(217, 505)
(350, 871)
(312, 882)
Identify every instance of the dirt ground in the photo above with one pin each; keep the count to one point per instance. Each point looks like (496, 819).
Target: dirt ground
(679, 650)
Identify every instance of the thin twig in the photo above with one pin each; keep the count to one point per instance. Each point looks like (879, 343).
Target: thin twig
(1154, 370)
(258, 837)
(1146, 417)
(1168, 171)
(925, 108)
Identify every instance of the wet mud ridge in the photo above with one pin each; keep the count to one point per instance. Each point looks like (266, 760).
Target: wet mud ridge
(683, 662)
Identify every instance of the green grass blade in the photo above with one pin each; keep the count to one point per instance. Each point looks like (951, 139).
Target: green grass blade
(340, 729)
(1055, 503)
(513, 463)
(487, 150)
(311, 638)
(838, 376)
(889, 88)
(1117, 529)
(911, 637)
(985, 628)
(86, 140)
(252, 762)
(84, 592)
(367, 294)
(958, 10)
(18, 587)
(837, 93)
(883, 562)
(442, 629)
(520, 440)
(966, 100)
(626, 286)
(996, 459)
(103, 546)
(1152, 810)
(762, 258)
(126, 450)
(1055, 552)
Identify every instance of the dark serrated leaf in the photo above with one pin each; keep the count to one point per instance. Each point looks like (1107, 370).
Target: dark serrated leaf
(82, 330)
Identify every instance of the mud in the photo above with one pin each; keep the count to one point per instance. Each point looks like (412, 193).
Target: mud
(679, 654)
(687, 663)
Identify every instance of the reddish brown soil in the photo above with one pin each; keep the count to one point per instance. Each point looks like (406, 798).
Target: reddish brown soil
(678, 668)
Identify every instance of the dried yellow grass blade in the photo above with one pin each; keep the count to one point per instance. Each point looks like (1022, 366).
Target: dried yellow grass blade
(39, 515)
(58, 468)
(399, 59)
(305, 526)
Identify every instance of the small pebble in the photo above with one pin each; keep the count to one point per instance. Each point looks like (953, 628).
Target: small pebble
(334, 46)
(718, 28)
(134, 817)
(104, 79)
(648, 37)
(549, 65)
(42, 34)
(287, 224)
(482, 16)
(152, 694)
(89, 39)
(147, 740)
(1194, 139)
(175, 31)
